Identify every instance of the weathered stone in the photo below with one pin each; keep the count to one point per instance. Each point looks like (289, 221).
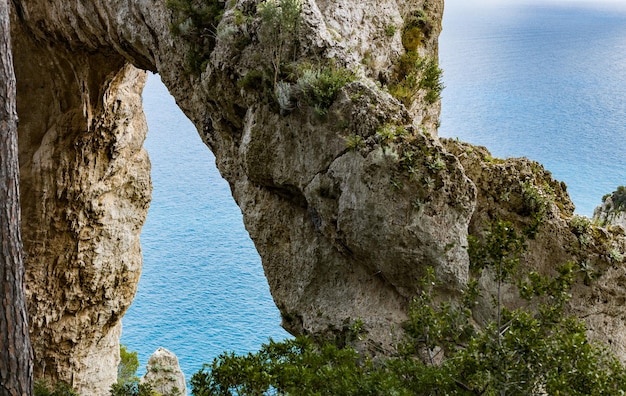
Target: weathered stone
(163, 373)
(612, 213)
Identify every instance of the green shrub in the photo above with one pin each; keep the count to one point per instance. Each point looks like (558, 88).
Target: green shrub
(414, 74)
(580, 225)
(618, 197)
(132, 389)
(390, 30)
(320, 86)
(354, 142)
(43, 388)
(536, 202)
(280, 25)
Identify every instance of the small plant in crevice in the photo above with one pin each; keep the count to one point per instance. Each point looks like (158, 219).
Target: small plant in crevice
(536, 202)
(316, 86)
(414, 74)
(390, 30)
(387, 133)
(581, 227)
(588, 272)
(354, 142)
(196, 21)
(284, 98)
(436, 163)
(319, 86)
(615, 256)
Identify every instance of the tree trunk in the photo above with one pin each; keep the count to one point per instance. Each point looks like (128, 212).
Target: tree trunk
(16, 370)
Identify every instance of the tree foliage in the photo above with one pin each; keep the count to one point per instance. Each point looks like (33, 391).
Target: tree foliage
(128, 366)
(534, 350)
(128, 383)
(280, 25)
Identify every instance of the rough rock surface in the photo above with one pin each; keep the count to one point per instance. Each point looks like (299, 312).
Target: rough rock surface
(163, 373)
(513, 190)
(613, 209)
(85, 192)
(345, 216)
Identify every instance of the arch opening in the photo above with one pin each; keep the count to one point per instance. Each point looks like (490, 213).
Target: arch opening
(202, 290)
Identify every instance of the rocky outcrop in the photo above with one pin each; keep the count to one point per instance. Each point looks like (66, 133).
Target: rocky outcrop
(346, 190)
(163, 373)
(612, 212)
(523, 192)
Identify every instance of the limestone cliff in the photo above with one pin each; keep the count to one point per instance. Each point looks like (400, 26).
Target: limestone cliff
(345, 189)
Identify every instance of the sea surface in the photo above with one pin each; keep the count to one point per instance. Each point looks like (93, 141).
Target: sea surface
(544, 80)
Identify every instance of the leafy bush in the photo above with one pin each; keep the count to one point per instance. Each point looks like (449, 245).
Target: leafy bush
(580, 225)
(414, 74)
(42, 388)
(132, 389)
(536, 202)
(354, 142)
(321, 85)
(619, 198)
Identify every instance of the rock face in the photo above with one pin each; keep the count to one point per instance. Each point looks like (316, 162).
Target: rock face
(85, 193)
(613, 209)
(346, 190)
(163, 373)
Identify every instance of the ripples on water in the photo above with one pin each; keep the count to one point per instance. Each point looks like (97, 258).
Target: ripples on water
(544, 82)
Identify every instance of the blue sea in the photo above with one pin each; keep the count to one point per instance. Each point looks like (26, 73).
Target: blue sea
(544, 80)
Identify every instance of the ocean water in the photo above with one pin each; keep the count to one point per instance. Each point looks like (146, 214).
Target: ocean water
(545, 80)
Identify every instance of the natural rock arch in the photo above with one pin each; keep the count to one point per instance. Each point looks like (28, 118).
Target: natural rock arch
(343, 234)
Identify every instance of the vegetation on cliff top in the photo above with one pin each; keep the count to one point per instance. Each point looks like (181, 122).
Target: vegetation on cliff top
(618, 197)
